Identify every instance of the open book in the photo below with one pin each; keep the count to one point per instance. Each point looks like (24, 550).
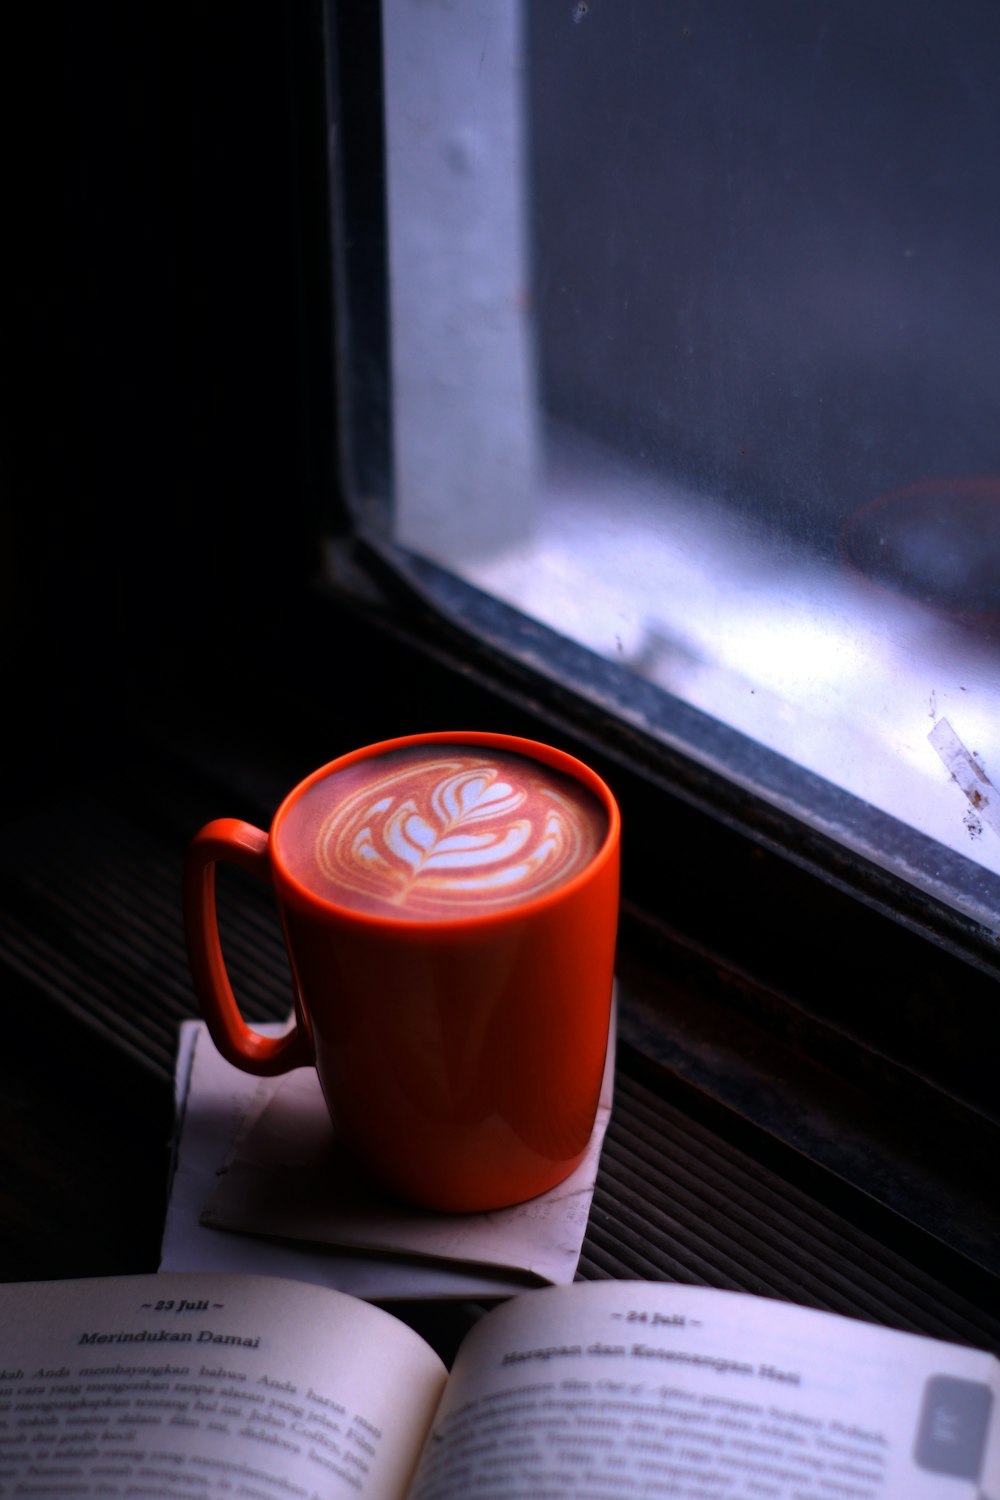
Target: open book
(206, 1384)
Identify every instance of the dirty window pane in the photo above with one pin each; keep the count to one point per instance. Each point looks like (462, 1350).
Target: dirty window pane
(695, 332)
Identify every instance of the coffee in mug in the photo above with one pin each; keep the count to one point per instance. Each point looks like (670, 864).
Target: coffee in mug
(442, 831)
(449, 906)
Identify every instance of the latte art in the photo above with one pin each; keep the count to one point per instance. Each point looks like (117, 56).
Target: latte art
(438, 830)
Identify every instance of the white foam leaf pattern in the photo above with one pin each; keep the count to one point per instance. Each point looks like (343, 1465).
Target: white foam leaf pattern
(472, 795)
(447, 856)
(408, 834)
(363, 848)
(430, 836)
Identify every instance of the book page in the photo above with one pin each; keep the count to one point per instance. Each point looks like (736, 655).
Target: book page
(208, 1385)
(606, 1390)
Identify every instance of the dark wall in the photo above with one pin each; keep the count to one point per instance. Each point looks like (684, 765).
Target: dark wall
(160, 480)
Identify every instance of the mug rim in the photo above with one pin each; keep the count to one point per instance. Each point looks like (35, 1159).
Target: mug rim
(551, 755)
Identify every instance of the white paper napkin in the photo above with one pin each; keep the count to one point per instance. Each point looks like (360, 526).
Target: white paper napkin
(259, 1185)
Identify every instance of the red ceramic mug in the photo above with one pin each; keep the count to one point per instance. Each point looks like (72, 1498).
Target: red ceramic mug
(449, 904)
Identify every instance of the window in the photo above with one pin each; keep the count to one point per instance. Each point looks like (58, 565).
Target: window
(692, 360)
(564, 239)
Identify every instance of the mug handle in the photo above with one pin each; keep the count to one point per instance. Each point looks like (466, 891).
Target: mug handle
(244, 845)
